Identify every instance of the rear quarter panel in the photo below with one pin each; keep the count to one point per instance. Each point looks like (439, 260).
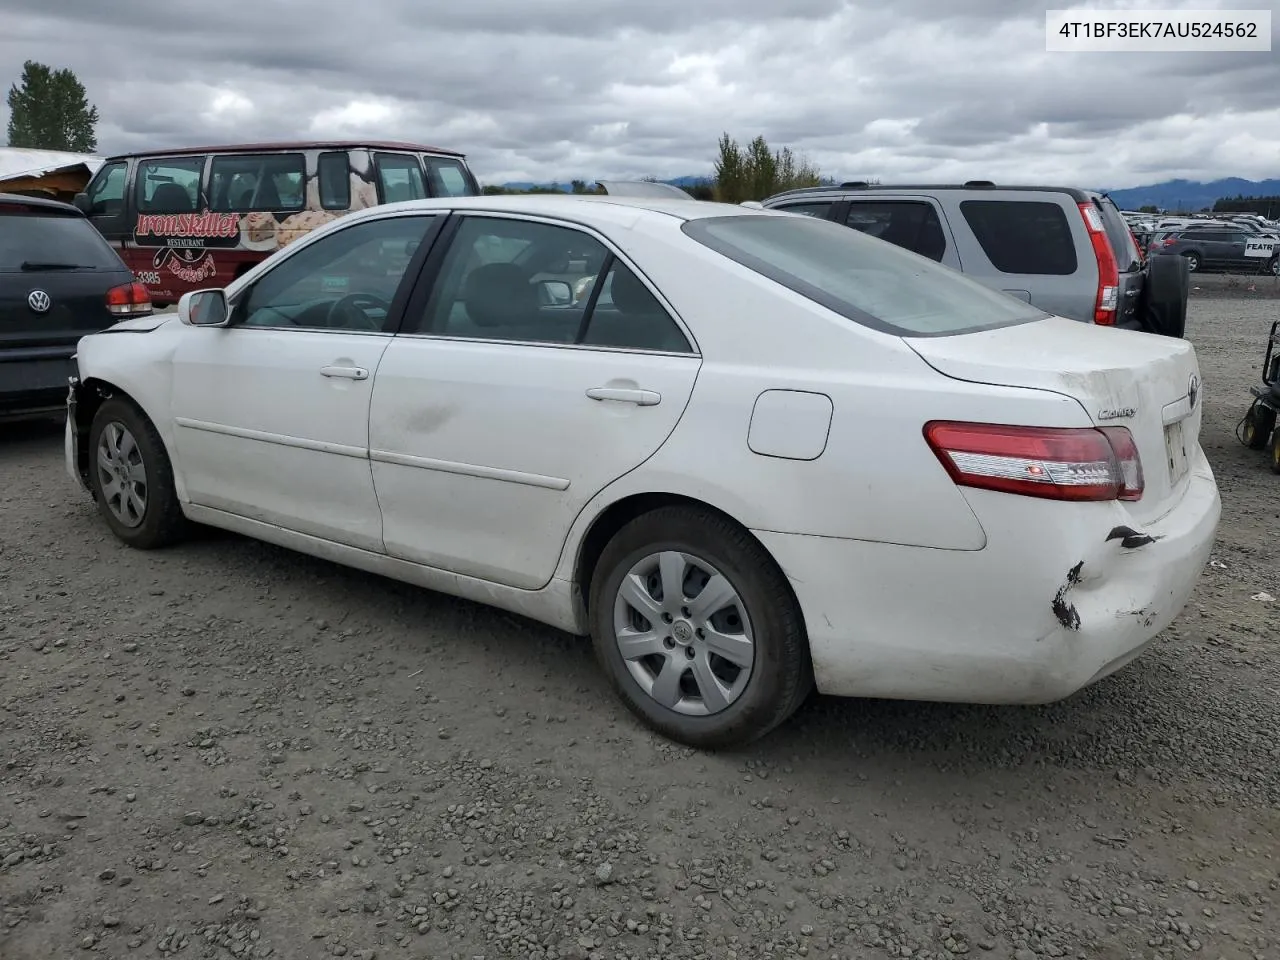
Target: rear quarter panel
(876, 479)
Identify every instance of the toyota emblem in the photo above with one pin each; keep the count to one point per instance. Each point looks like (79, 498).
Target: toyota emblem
(1193, 390)
(39, 301)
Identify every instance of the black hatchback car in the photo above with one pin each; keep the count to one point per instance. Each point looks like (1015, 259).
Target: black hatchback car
(59, 280)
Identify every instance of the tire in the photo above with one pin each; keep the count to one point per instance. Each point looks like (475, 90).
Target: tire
(763, 612)
(1275, 452)
(1193, 261)
(1273, 266)
(1258, 424)
(121, 427)
(1163, 308)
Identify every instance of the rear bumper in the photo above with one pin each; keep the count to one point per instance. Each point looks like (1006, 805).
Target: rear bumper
(1035, 616)
(33, 381)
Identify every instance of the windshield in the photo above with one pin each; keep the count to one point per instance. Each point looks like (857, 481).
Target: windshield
(1127, 255)
(869, 281)
(37, 238)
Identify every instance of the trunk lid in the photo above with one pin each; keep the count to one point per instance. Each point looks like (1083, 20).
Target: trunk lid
(76, 305)
(1147, 383)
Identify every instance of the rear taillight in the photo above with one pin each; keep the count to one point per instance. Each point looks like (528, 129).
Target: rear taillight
(1168, 241)
(1104, 308)
(1055, 463)
(129, 300)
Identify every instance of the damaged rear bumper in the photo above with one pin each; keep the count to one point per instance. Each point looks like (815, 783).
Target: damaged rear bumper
(1060, 597)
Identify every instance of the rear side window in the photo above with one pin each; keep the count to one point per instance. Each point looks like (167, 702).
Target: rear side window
(449, 178)
(910, 224)
(400, 176)
(1118, 232)
(49, 243)
(244, 183)
(1023, 236)
(875, 284)
(169, 185)
(819, 210)
(335, 180)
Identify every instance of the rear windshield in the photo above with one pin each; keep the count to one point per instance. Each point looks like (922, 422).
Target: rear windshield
(869, 281)
(57, 241)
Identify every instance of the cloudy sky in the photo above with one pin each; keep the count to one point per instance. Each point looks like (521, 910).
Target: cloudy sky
(557, 89)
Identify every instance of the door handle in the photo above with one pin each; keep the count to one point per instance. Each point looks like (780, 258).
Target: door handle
(641, 398)
(347, 373)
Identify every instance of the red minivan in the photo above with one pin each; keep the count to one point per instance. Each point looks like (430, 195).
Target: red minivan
(201, 216)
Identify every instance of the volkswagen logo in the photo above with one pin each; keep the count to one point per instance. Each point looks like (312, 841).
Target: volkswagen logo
(39, 301)
(1193, 390)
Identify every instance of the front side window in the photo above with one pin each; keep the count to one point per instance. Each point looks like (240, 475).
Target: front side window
(343, 281)
(400, 176)
(169, 185)
(245, 183)
(910, 224)
(106, 193)
(1023, 236)
(875, 284)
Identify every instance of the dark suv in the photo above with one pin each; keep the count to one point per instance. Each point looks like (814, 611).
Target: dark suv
(59, 280)
(1067, 251)
(1222, 246)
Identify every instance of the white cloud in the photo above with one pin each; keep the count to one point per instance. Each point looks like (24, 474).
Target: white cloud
(548, 89)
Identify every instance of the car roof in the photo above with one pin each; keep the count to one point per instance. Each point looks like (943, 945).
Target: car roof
(40, 203)
(581, 207)
(289, 145)
(976, 186)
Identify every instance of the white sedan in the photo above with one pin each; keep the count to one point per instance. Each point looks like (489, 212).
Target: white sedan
(763, 453)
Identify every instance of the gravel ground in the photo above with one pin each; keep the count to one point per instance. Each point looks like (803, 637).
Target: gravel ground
(229, 750)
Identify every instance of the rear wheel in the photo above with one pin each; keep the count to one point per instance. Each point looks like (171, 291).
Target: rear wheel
(1273, 267)
(1258, 424)
(697, 629)
(131, 478)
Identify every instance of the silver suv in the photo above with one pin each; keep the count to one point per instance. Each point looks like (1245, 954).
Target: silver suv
(1064, 250)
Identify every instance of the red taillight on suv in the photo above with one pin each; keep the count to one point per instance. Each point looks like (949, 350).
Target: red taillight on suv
(129, 300)
(1055, 463)
(1104, 308)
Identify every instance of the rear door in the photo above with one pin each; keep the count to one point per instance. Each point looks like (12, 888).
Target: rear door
(497, 414)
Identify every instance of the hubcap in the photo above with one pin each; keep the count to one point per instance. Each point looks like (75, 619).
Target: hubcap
(683, 633)
(122, 475)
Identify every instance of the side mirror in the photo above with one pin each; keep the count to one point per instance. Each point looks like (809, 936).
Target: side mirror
(204, 308)
(556, 293)
(81, 203)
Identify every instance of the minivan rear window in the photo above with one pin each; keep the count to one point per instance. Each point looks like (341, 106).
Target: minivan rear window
(876, 284)
(1023, 236)
(49, 242)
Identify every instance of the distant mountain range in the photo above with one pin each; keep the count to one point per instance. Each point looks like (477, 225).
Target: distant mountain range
(1188, 195)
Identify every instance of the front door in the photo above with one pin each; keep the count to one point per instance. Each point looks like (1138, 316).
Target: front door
(271, 413)
(506, 404)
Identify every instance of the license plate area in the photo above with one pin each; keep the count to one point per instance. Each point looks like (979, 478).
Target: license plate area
(1175, 445)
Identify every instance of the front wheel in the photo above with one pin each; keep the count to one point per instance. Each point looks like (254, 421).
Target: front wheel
(698, 630)
(1193, 261)
(1273, 267)
(131, 477)
(1275, 452)
(1257, 426)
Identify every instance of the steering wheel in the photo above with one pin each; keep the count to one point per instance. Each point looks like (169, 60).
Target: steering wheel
(349, 312)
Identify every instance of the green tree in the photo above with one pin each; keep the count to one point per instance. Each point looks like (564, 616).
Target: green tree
(757, 171)
(49, 110)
